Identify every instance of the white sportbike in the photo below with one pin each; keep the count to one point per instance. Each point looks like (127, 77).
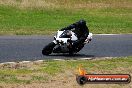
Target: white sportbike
(63, 41)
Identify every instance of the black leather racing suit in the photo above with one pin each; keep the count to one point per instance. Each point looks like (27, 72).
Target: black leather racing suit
(81, 30)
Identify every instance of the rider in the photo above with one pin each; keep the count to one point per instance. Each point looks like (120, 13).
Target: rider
(80, 29)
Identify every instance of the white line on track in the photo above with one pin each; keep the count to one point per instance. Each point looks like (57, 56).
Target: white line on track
(40, 61)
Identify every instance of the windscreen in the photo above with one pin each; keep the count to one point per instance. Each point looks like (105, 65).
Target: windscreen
(66, 34)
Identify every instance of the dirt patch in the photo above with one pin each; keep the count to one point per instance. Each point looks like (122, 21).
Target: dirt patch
(66, 4)
(28, 3)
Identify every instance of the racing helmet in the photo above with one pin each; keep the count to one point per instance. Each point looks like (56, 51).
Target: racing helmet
(82, 22)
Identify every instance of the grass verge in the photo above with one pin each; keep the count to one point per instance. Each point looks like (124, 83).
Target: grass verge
(51, 71)
(27, 17)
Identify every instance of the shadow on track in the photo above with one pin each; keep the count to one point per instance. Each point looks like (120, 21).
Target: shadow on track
(67, 56)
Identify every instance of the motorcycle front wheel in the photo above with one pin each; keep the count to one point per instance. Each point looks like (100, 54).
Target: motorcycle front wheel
(48, 49)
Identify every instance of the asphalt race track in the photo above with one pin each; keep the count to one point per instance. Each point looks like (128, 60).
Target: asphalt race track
(19, 48)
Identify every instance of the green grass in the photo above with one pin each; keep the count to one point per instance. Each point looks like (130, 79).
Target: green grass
(46, 20)
(49, 69)
(12, 79)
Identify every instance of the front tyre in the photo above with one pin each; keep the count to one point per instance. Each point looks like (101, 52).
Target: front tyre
(48, 48)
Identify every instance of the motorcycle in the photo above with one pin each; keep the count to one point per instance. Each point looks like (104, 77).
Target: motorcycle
(63, 41)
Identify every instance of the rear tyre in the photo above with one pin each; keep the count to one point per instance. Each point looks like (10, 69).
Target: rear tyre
(71, 52)
(48, 48)
(80, 47)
